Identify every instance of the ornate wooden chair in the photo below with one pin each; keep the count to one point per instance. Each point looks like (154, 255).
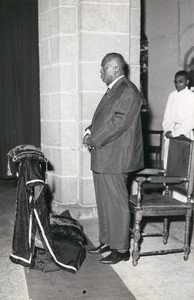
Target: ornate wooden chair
(154, 148)
(179, 175)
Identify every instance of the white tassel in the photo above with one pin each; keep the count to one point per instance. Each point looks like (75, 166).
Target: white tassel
(46, 173)
(9, 173)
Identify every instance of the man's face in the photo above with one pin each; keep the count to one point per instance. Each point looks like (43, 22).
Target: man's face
(180, 82)
(108, 71)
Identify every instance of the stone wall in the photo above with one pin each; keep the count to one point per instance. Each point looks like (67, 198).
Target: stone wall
(74, 36)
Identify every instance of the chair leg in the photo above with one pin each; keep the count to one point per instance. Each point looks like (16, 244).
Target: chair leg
(136, 237)
(187, 236)
(157, 160)
(165, 231)
(160, 160)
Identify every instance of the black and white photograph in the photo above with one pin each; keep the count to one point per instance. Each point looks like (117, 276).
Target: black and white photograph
(97, 149)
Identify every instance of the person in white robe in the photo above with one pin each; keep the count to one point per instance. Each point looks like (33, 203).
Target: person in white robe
(179, 113)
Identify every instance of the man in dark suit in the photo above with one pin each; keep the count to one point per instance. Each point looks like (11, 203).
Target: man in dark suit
(115, 141)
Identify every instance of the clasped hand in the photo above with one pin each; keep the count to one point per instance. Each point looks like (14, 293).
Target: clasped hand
(87, 142)
(168, 134)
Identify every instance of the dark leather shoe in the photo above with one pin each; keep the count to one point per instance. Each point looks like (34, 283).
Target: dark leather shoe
(100, 249)
(114, 257)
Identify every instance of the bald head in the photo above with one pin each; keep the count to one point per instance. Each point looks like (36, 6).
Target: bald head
(116, 58)
(112, 67)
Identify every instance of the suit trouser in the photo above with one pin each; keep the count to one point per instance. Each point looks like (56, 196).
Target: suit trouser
(113, 209)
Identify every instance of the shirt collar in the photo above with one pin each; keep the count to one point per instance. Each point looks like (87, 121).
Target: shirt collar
(185, 89)
(112, 83)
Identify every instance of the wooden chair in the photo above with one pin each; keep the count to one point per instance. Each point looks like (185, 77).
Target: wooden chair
(179, 174)
(154, 148)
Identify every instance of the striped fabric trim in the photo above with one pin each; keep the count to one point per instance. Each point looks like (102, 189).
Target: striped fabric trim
(34, 181)
(21, 258)
(48, 245)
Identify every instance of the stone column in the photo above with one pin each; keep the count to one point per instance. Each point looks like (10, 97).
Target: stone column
(106, 26)
(74, 36)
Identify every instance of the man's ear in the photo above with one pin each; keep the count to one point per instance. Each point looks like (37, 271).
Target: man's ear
(116, 69)
(187, 82)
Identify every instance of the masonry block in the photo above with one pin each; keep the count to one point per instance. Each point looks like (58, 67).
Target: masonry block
(56, 3)
(135, 23)
(135, 74)
(69, 134)
(70, 190)
(56, 161)
(68, 20)
(64, 106)
(135, 4)
(118, 2)
(43, 5)
(87, 195)
(49, 23)
(85, 163)
(50, 79)
(64, 189)
(65, 193)
(105, 18)
(45, 101)
(92, 45)
(135, 51)
(44, 51)
(56, 106)
(51, 133)
(68, 78)
(54, 52)
(65, 162)
(68, 48)
(69, 106)
(69, 162)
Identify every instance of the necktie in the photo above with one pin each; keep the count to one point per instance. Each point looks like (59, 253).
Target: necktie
(108, 90)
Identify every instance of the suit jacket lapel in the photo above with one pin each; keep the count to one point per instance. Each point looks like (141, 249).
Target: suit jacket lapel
(100, 105)
(106, 97)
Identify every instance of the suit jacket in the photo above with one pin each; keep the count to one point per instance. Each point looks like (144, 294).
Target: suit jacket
(116, 131)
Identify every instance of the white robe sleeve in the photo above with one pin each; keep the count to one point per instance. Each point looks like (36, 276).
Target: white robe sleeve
(167, 120)
(187, 117)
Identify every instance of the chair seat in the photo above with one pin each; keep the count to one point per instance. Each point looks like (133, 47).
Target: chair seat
(151, 204)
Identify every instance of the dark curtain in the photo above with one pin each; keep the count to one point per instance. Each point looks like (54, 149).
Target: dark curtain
(19, 77)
